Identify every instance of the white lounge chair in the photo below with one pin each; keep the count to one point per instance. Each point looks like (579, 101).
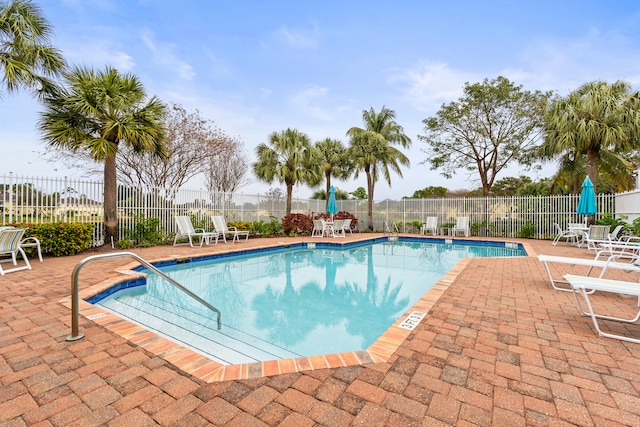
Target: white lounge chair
(431, 226)
(28, 242)
(462, 227)
(220, 225)
(613, 261)
(568, 235)
(186, 229)
(586, 285)
(10, 239)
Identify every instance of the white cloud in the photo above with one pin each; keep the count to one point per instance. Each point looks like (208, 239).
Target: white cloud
(164, 55)
(99, 53)
(313, 100)
(298, 38)
(563, 64)
(430, 84)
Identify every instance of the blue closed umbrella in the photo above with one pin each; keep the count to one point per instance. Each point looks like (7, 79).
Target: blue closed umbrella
(332, 206)
(587, 203)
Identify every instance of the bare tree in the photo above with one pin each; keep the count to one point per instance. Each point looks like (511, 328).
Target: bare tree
(192, 142)
(226, 167)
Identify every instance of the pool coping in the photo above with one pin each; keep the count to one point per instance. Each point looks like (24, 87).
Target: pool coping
(210, 371)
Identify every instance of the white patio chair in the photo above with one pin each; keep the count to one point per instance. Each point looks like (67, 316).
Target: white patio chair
(462, 227)
(338, 228)
(569, 235)
(597, 235)
(431, 226)
(10, 239)
(220, 225)
(346, 226)
(327, 228)
(186, 229)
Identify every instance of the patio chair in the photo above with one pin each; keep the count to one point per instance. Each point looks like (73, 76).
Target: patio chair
(346, 226)
(28, 242)
(597, 235)
(220, 225)
(338, 228)
(581, 231)
(317, 229)
(616, 231)
(616, 261)
(10, 239)
(431, 226)
(462, 226)
(586, 285)
(568, 235)
(186, 229)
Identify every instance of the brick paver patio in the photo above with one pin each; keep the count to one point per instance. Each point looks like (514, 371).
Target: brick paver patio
(499, 348)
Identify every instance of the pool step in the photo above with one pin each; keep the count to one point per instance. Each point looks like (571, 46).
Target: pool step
(195, 331)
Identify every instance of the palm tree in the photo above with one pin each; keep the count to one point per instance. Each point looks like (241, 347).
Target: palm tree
(97, 113)
(288, 157)
(26, 57)
(599, 121)
(371, 149)
(335, 161)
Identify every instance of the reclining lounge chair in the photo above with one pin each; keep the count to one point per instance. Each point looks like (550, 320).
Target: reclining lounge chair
(613, 261)
(585, 285)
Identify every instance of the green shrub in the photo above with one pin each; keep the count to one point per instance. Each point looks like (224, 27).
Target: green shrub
(146, 232)
(527, 230)
(267, 229)
(61, 238)
(125, 244)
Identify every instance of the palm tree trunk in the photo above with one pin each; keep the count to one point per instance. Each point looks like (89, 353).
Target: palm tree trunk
(326, 194)
(289, 195)
(592, 168)
(110, 199)
(370, 199)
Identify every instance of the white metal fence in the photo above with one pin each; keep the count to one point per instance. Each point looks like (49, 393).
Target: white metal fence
(43, 200)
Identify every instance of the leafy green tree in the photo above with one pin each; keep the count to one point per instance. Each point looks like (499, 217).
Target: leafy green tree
(431, 191)
(26, 57)
(99, 112)
(359, 194)
(288, 158)
(594, 125)
(490, 127)
(539, 188)
(509, 186)
(371, 149)
(335, 161)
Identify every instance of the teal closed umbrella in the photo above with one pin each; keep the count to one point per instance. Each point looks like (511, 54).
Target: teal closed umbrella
(587, 203)
(332, 206)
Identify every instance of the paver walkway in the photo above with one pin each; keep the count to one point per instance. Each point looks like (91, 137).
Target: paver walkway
(500, 348)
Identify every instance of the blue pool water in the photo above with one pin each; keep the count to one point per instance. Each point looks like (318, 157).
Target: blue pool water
(290, 302)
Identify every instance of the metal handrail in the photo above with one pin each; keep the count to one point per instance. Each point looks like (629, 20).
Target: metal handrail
(75, 333)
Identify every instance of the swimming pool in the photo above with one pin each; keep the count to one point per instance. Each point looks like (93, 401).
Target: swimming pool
(292, 302)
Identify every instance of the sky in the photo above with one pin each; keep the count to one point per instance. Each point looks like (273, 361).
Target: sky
(257, 67)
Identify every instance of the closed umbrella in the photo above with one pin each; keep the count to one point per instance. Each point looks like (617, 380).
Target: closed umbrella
(332, 206)
(587, 203)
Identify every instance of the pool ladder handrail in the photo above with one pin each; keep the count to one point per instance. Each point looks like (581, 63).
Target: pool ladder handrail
(392, 230)
(75, 333)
